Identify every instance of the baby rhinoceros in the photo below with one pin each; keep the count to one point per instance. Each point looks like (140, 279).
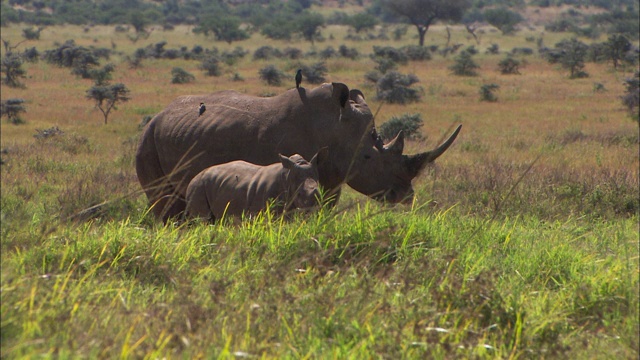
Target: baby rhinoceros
(241, 187)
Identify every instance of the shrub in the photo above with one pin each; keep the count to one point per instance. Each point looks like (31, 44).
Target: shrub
(11, 67)
(292, 53)
(328, 52)
(231, 57)
(464, 65)
(631, 98)
(314, 74)
(522, 51)
(391, 53)
(181, 76)
(384, 65)
(271, 75)
(31, 55)
(409, 124)
(211, 66)
(486, 92)
(237, 77)
(509, 65)
(32, 33)
(399, 32)
(266, 53)
(416, 53)
(494, 49)
(395, 88)
(350, 53)
(11, 108)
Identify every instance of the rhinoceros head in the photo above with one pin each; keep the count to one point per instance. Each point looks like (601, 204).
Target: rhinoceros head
(375, 169)
(384, 173)
(301, 181)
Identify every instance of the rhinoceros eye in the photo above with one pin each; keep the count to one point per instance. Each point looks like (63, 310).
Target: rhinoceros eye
(367, 157)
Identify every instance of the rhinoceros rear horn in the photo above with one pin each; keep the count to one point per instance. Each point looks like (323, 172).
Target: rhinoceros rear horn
(415, 163)
(340, 93)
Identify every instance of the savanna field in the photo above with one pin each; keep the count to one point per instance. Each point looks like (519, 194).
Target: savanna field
(522, 241)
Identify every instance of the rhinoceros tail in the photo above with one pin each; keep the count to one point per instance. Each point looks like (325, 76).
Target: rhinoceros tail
(161, 194)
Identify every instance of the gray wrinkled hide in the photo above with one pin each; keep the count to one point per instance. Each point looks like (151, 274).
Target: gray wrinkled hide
(239, 187)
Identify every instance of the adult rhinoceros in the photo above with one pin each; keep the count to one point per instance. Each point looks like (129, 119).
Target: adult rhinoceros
(178, 143)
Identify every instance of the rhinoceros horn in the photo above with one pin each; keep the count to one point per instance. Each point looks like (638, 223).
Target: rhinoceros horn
(415, 163)
(396, 145)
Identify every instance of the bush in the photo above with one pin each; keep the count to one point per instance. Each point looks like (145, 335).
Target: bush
(631, 98)
(11, 108)
(31, 55)
(328, 52)
(522, 51)
(395, 88)
(181, 76)
(292, 53)
(346, 52)
(509, 65)
(314, 74)
(384, 65)
(231, 57)
(409, 124)
(416, 53)
(266, 53)
(271, 75)
(464, 65)
(211, 66)
(11, 67)
(32, 33)
(494, 49)
(399, 31)
(486, 92)
(391, 53)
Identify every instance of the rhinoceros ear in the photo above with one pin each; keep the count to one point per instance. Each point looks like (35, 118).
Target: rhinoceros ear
(396, 145)
(340, 93)
(356, 95)
(287, 163)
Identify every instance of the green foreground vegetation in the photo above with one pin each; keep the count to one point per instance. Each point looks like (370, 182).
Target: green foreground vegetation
(522, 242)
(349, 283)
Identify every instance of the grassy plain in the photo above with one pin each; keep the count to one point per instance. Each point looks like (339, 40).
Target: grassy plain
(500, 256)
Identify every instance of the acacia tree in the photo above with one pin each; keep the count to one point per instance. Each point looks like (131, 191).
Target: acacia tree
(309, 24)
(107, 96)
(423, 13)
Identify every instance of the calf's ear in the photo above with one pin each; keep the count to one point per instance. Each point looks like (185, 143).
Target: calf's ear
(287, 163)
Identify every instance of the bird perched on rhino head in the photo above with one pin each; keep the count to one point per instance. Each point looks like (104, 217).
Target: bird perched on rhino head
(201, 109)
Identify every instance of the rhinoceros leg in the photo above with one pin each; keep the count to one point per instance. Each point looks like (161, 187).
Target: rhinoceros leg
(165, 204)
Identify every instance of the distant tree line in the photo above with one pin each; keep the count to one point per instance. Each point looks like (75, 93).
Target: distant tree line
(284, 19)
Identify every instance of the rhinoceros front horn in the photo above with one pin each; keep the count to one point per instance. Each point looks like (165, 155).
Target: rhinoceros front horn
(415, 163)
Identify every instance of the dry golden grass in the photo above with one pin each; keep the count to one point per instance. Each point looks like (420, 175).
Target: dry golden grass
(538, 112)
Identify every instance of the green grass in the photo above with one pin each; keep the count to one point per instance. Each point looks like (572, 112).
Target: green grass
(496, 258)
(363, 282)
